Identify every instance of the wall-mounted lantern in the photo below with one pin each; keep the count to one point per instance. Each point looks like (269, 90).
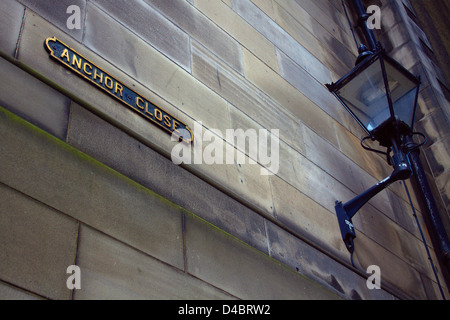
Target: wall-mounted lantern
(381, 95)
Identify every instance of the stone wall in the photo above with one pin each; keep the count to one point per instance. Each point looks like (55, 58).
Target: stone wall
(86, 181)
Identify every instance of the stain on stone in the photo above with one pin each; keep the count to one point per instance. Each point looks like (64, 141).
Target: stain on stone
(335, 284)
(355, 295)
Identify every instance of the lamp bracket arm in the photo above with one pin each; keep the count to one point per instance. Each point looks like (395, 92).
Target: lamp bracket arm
(402, 171)
(345, 212)
(352, 206)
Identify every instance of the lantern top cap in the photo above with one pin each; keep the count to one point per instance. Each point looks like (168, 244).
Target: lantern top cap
(368, 58)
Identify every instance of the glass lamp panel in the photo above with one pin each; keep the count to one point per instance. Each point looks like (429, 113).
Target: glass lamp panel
(365, 95)
(403, 93)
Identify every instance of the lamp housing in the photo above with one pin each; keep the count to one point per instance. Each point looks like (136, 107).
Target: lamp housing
(381, 95)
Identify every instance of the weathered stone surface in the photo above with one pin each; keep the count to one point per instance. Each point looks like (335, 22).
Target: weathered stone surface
(436, 125)
(233, 64)
(306, 217)
(443, 183)
(11, 17)
(304, 175)
(437, 156)
(201, 29)
(403, 214)
(288, 97)
(242, 271)
(394, 270)
(395, 37)
(247, 102)
(8, 292)
(62, 177)
(282, 40)
(137, 161)
(112, 270)
(318, 266)
(126, 119)
(33, 100)
(313, 90)
(146, 22)
(336, 57)
(37, 240)
(232, 23)
(327, 17)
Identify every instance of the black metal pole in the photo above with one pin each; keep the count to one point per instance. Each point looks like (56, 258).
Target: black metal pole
(431, 215)
(362, 23)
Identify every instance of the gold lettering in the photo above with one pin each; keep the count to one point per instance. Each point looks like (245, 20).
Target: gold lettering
(94, 74)
(175, 125)
(65, 54)
(139, 99)
(147, 111)
(158, 114)
(99, 76)
(76, 61)
(119, 88)
(90, 67)
(109, 83)
(167, 121)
